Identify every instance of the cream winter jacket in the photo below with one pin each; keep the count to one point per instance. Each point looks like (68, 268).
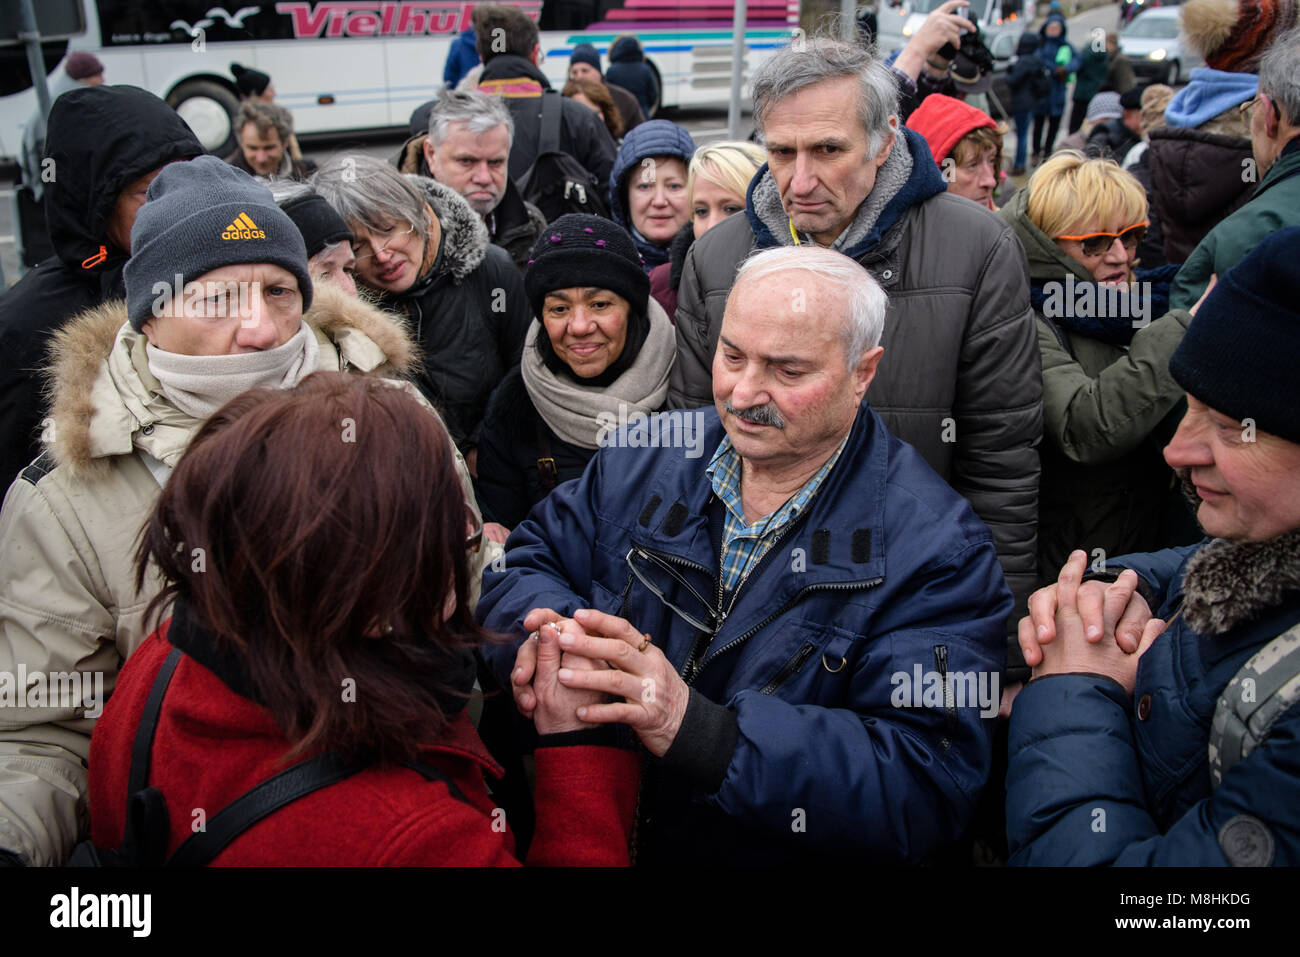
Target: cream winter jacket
(68, 532)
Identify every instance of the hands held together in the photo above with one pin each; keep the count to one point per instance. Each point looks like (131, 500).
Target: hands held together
(596, 669)
(1091, 627)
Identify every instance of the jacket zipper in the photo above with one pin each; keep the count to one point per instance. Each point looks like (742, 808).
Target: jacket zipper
(949, 700)
(790, 668)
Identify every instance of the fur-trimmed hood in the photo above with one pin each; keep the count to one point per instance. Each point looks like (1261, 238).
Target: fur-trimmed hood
(1228, 583)
(104, 401)
(464, 237)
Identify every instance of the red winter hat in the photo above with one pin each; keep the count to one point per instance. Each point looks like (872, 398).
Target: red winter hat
(943, 120)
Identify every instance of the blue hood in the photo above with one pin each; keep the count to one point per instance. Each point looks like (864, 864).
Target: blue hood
(924, 182)
(654, 138)
(1208, 94)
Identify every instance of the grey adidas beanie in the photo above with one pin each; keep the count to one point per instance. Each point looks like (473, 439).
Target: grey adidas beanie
(199, 216)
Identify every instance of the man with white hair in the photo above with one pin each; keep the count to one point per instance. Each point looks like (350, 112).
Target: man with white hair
(468, 149)
(780, 598)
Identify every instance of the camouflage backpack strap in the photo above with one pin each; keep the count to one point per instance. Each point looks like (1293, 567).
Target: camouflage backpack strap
(1265, 687)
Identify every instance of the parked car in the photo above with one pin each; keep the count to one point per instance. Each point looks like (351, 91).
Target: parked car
(1128, 9)
(1153, 44)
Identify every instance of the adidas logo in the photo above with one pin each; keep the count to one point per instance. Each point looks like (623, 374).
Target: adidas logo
(243, 228)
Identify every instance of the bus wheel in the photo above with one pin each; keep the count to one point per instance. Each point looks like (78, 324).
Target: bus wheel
(209, 109)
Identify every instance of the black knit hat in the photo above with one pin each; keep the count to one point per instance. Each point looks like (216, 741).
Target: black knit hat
(588, 54)
(316, 219)
(1238, 354)
(249, 82)
(581, 250)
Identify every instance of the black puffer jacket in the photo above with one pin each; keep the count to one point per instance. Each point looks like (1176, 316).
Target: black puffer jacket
(1196, 181)
(102, 139)
(509, 479)
(469, 314)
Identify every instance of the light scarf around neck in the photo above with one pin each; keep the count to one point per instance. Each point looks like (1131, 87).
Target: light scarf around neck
(581, 415)
(199, 385)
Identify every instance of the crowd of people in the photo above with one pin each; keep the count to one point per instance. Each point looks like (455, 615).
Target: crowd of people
(817, 497)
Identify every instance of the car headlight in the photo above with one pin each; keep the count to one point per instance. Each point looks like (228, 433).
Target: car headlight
(907, 30)
(1158, 54)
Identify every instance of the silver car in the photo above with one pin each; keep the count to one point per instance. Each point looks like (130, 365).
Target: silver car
(1153, 44)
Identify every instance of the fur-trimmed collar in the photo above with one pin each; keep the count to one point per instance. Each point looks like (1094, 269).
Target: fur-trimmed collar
(464, 237)
(99, 397)
(1229, 583)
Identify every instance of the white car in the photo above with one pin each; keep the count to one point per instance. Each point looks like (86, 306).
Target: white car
(1153, 44)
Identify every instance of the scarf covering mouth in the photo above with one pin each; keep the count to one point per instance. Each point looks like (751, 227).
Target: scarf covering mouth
(578, 414)
(200, 385)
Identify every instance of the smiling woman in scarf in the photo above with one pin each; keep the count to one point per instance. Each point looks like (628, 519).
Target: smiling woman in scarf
(599, 352)
(1105, 334)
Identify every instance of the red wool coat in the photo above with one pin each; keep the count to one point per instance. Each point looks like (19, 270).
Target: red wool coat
(212, 745)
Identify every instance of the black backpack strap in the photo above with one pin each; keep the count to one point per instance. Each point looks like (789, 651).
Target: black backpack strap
(430, 773)
(269, 796)
(548, 137)
(138, 778)
(547, 470)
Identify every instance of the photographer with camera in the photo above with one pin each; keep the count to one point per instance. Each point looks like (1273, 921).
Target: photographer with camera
(945, 55)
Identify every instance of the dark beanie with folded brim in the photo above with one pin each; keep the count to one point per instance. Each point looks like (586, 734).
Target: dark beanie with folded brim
(586, 53)
(248, 81)
(316, 219)
(199, 216)
(1238, 354)
(578, 250)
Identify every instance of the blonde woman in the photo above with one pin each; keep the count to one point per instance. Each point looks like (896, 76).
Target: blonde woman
(1105, 335)
(717, 182)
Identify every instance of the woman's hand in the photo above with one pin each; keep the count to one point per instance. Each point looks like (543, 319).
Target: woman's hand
(557, 705)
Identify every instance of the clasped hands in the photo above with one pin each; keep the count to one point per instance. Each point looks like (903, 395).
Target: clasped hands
(593, 669)
(1091, 627)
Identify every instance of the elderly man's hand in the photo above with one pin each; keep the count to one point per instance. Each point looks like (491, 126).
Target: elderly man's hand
(940, 27)
(1072, 652)
(1115, 612)
(557, 705)
(654, 694)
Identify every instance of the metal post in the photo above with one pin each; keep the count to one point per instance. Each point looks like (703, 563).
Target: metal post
(31, 37)
(737, 69)
(848, 20)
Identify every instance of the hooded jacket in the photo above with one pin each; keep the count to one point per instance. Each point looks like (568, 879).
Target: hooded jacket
(1050, 52)
(1274, 205)
(654, 138)
(582, 133)
(1091, 68)
(468, 313)
(101, 139)
(514, 224)
(795, 698)
(1079, 745)
(628, 69)
(34, 136)
(961, 349)
(1027, 74)
(1107, 413)
(68, 600)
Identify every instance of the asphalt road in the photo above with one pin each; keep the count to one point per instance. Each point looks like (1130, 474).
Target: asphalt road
(706, 125)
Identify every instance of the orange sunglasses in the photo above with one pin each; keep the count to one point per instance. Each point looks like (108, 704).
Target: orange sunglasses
(1094, 244)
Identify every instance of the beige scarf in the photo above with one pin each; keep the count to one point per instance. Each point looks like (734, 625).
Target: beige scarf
(199, 385)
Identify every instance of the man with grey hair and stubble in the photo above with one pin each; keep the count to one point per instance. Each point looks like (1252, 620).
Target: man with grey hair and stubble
(468, 148)
(766, 607)
(963, 384)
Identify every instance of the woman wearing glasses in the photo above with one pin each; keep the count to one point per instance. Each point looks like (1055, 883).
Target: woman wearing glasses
(1106, 335)
(303, 641)
(424, 253)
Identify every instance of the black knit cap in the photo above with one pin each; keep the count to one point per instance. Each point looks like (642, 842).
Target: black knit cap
(1238, 354)
(581, 250)
(316, 219)
(248, 81)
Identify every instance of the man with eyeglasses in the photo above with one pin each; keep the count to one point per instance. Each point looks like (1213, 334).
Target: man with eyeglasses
(1273, 117)
(804, 629)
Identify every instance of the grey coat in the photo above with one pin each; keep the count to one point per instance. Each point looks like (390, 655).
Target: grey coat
(960, 379)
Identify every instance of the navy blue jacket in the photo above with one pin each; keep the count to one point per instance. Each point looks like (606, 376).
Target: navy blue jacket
(1023, 77)
(801, 738)
(1048, 52)
(627, 68)
(1080, 748)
